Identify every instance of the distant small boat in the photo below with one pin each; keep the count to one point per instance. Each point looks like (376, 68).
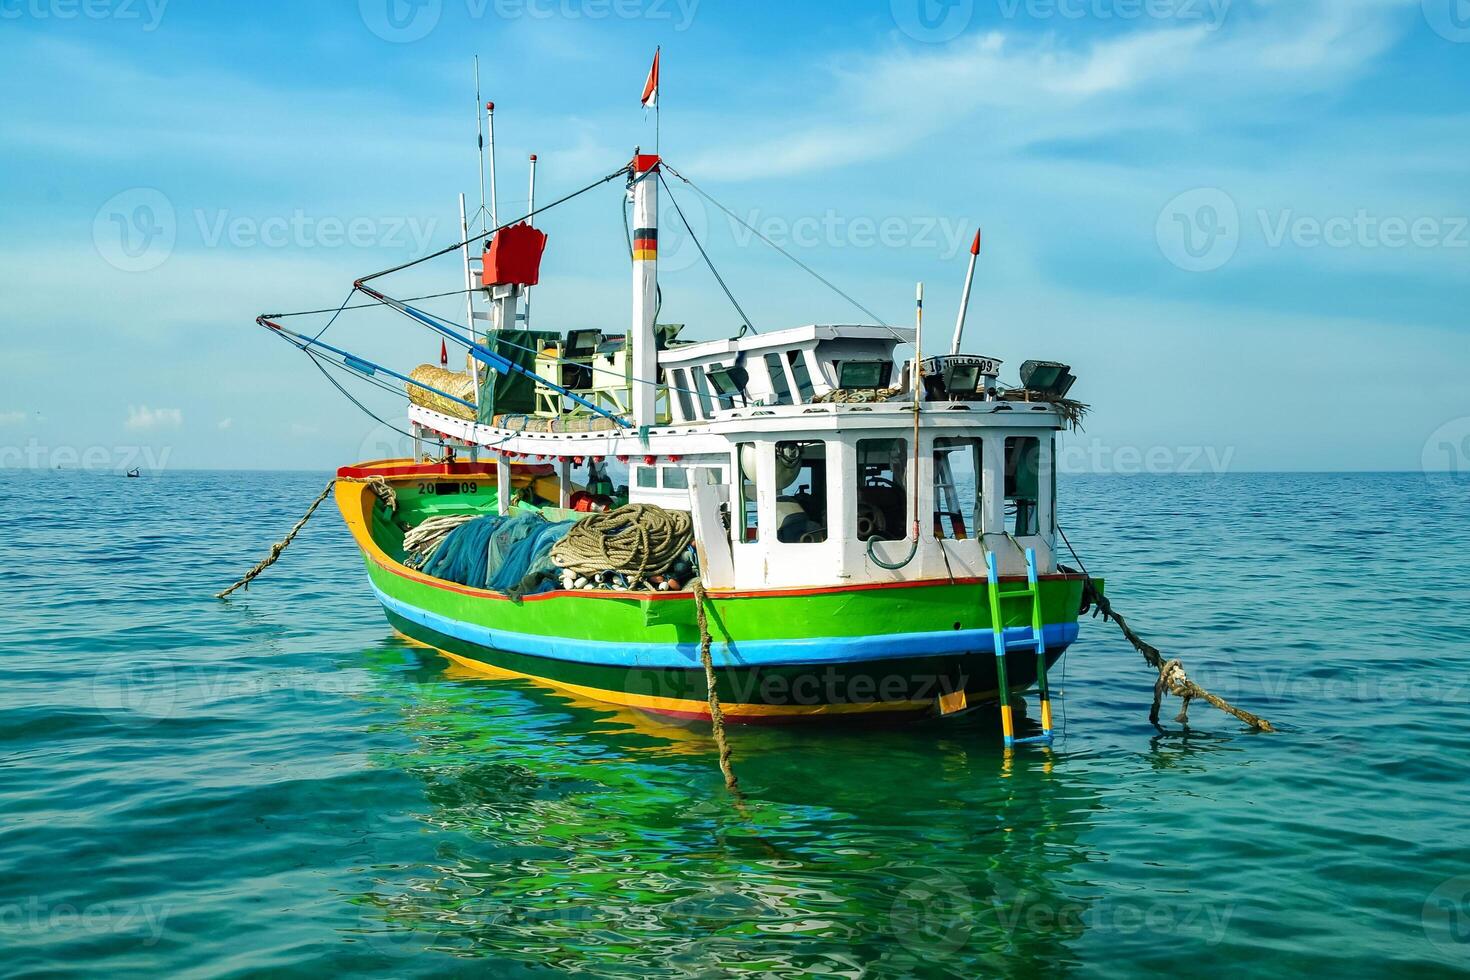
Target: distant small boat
(133, 474)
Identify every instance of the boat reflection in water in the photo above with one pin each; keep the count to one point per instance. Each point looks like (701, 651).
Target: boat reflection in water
(566, 833)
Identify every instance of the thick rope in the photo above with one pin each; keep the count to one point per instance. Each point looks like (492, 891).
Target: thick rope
(1172, 677)
(716, 713)
(280, 545)
(634, 541)
(379, 486)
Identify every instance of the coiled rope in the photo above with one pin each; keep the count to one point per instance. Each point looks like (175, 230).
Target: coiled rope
(379, 486)
(634, 541)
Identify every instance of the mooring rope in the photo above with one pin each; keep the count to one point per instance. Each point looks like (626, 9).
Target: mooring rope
(1172, 677)
(379, 486)
(716, 713)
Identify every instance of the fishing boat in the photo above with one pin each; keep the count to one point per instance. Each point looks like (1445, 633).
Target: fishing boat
(874, 531)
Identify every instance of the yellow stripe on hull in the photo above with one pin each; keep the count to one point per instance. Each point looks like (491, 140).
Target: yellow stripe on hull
(676, 705)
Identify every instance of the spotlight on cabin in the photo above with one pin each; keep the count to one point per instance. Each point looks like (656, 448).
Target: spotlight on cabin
(961, 379)
(1047, 378)
(729, 382)
(864, 375)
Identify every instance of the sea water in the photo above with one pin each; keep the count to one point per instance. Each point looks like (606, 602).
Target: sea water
(276, 784)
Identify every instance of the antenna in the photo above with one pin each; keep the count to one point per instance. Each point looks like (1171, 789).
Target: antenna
(480, 126)
(494, 209)
(530, 210)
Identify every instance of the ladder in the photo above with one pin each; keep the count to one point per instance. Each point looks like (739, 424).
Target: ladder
(1036, 640)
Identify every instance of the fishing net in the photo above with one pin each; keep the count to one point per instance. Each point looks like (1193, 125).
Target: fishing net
(504, 554)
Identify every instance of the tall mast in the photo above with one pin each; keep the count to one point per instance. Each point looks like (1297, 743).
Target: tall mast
(469, 274)
(530, 208)
(480, 128)
(645, 287)
(959, 327)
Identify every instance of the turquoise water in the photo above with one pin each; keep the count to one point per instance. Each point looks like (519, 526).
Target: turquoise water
(277, 785)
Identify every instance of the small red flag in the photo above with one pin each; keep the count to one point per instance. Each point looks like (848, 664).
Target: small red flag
(650, 87)
(443, 354)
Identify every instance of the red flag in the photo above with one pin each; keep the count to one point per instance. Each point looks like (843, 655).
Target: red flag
(650, 87)
(443, 354)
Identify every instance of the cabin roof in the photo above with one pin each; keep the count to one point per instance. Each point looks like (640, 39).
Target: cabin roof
(783, 339)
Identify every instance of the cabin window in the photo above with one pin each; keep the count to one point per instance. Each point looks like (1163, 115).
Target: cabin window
(647, 478)
(1023, 484)
(676, 478)
(779, 384)
(681, 392)
(803, 377)
(702, 387)
(958, 465)
(801, 492)
(747, 513)
(882, 501)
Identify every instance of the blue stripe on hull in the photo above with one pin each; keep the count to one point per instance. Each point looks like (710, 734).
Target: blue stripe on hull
(748, 653)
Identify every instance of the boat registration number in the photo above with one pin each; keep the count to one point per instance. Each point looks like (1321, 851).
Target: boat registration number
(444, 489)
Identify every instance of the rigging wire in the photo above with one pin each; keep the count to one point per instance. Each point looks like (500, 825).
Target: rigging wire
(333, 320)
(353, 398)
(744, 317)
(461, 341)
(525, 217)
(877, 320)
(374, 303)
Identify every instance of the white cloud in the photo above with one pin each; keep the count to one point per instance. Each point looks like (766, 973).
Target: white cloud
(143, 417)
(12, 418)
(1019, 88)
(225, 424)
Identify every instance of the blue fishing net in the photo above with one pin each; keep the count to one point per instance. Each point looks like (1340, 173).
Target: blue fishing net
(505, 554)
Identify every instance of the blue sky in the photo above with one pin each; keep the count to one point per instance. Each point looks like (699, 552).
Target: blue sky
(1243, 222)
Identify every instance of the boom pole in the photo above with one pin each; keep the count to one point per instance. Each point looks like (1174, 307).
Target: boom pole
(959, 326)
